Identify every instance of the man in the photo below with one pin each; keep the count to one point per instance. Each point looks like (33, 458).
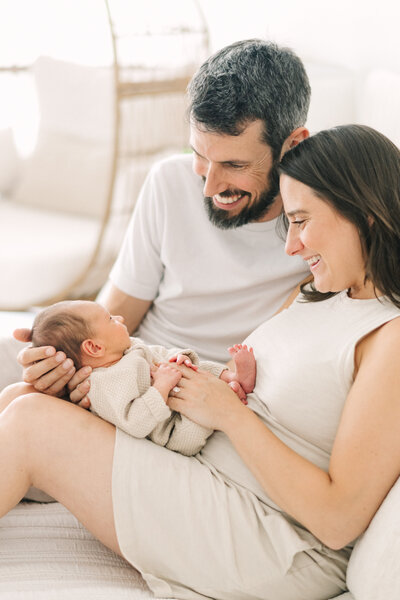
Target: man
(202, 264)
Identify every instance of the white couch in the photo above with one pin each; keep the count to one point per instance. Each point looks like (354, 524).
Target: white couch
(44, 550)
(52, 202)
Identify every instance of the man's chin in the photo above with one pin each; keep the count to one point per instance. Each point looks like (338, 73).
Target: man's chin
(224, 219)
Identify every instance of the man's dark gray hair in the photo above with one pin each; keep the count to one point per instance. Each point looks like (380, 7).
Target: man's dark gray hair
(249, 80)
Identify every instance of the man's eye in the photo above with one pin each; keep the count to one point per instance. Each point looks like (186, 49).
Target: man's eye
(298, 223)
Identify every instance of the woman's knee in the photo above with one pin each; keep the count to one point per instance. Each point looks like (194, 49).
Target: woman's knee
(27, 410)
(17, 389)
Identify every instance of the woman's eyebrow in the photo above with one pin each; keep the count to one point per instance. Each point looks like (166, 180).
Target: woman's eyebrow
(296, 211)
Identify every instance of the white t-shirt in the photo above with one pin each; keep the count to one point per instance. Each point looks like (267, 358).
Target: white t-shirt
(210, 287)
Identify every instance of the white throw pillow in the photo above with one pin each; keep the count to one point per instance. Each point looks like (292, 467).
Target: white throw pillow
(66, 174)
(374, 567)
(74, 99)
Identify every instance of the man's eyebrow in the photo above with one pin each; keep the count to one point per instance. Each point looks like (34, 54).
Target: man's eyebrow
(231, 161)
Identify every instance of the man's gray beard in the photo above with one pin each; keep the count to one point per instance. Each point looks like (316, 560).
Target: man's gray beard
(249, 214)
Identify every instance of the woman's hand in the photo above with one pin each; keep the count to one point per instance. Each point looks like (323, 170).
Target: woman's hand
(205, 399)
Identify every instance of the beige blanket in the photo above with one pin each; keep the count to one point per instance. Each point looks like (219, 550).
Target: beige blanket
(45, 553)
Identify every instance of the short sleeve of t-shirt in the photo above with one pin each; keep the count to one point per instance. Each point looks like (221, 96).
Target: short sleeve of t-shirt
(138, 269)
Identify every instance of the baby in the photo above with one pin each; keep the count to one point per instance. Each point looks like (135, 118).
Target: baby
(131, 381)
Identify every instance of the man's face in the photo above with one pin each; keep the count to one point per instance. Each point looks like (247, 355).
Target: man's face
(241, 182)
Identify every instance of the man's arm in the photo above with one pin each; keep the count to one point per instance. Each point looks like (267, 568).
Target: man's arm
(132, 309)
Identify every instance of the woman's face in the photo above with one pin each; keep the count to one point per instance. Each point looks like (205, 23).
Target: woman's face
(328, 242)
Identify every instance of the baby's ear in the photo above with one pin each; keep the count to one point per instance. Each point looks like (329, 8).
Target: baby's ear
(92, 348)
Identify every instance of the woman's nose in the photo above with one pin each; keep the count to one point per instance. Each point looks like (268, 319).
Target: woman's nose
(293, 242)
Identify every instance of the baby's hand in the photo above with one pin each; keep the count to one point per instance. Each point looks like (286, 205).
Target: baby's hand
(165, 377)
(182, 359)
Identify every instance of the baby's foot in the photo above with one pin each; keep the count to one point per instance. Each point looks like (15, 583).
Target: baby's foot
(237, 388)
(245, 366)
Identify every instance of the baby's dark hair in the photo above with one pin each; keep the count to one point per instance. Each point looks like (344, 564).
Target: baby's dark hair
(58, 326)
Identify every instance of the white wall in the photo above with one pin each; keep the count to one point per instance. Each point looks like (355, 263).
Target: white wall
(350, 48)
(353, 33)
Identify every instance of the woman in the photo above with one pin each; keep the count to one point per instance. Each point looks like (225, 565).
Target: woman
(272, 504)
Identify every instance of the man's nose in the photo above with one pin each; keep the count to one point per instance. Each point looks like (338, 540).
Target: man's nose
(214, 181)
(293, 242)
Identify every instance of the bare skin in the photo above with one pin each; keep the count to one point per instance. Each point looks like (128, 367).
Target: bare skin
(245, 366)
(61, 449)
(241, 374)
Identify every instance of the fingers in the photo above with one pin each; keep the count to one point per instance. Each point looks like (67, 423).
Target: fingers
(79, 387)
(188, 371)
(51, 374)
(79, 377)
(85, 403)
(22, 335)
(80, 394)
(28, 356)
(55, 381)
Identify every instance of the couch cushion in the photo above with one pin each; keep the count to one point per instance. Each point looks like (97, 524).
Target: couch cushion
(41, 252)
(66, 173)
(70, 166)
(374, 566)
(45, 553)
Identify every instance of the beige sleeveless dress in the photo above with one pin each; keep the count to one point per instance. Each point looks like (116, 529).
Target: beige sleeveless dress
(202, 527)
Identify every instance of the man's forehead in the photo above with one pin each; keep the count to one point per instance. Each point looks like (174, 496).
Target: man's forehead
(224, 147)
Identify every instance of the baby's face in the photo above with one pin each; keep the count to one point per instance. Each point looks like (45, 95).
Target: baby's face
(107, 329)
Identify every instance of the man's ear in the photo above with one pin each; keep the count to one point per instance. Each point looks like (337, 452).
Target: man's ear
(92, 348)
(297, 136)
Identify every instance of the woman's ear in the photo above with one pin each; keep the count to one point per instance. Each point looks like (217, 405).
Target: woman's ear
(92, 348)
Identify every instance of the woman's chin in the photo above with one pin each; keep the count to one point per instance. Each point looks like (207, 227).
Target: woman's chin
(321, 287)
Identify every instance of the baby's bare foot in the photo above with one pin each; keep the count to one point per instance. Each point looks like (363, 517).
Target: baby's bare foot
(245, 366)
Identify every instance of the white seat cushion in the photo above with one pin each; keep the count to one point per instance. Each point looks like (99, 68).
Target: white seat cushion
(45, 553)
(41, 252)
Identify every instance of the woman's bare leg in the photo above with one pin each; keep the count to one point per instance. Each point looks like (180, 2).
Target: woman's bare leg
(63, 450)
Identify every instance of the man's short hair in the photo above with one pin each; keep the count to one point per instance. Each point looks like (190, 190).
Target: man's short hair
(249, 80)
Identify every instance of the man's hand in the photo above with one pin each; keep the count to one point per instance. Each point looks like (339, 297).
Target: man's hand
(79, 387)
(50, 372)
(47, 370)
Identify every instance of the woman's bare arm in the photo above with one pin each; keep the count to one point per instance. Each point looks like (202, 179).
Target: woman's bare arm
(336, 506)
